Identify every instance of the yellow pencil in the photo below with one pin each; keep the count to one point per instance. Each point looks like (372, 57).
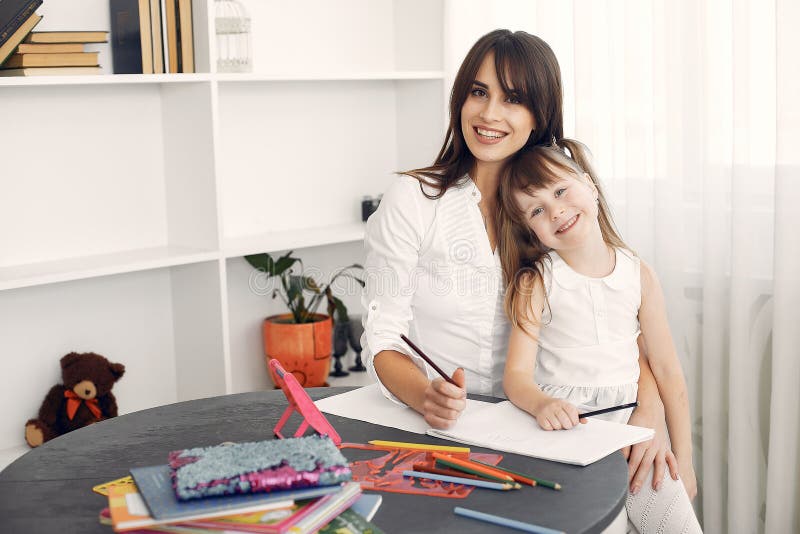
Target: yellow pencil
(418, 446)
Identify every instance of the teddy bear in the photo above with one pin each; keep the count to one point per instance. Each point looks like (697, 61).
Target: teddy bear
(84, 397)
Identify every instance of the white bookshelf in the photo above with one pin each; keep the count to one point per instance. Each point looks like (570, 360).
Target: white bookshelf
(129, 200)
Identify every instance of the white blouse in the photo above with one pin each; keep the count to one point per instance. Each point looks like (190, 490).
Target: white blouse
(431, 274)
(588, 353)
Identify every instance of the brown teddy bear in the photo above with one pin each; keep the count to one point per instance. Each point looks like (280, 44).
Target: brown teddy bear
(84, 398)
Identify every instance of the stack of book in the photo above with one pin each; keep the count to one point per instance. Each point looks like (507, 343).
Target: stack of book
(152, 36)
(27, 53)
(267, 487)
(49, 53)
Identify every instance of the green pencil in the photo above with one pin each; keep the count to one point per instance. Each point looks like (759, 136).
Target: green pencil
(539, 481)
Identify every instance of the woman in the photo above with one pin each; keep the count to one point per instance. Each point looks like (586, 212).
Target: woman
(432, 269)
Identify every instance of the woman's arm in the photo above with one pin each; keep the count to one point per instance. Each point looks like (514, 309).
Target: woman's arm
(518, 376)
(393, 239)
(666, 367)
(437, 400)
(655, 453)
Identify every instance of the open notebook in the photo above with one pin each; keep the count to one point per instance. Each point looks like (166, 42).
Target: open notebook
(501, 426)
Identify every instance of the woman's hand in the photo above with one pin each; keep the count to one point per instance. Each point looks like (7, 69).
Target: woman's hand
(652, 454)
(444, 402)
(557, 414)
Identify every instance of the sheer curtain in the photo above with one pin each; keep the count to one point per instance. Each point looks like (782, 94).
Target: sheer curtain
(691, 110)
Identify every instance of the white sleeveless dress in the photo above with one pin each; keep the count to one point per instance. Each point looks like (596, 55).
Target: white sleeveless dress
(588, 355)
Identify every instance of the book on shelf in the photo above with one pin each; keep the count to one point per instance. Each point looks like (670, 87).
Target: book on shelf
(57, 48)
(157, 36)
(80, 59)
(67, 37)
(131, 36)
(16, 38)
(186, 36)
(171, 35)
(51, 71)
(13, 14)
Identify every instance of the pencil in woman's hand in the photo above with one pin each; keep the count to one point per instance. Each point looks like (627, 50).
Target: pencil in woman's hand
(428, 360)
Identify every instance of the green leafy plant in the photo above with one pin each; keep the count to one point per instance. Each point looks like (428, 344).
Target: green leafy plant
(293, 288)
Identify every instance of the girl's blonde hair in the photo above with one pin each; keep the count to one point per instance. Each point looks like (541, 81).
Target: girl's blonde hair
(521, 253)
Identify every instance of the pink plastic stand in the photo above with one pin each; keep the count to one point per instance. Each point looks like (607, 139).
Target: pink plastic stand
(300, 401)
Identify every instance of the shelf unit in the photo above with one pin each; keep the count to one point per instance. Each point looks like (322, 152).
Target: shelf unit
(130, 199)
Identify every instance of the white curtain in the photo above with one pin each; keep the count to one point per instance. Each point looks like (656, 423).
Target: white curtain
(692, 111)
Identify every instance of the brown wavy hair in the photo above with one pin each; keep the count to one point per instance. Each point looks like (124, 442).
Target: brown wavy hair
(522, 255)
(523, 62)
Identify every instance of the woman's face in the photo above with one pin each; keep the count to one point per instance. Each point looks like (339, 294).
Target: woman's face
(495, 125)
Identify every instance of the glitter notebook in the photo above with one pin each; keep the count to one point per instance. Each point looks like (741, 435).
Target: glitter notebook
(255, 467)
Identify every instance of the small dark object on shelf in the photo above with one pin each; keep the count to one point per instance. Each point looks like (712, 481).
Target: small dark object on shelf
(354, 336)
(340, 335)
(369, 205)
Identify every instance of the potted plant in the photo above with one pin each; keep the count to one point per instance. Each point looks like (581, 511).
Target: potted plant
(301, 339)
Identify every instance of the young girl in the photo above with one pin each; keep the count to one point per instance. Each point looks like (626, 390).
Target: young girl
(581, 305)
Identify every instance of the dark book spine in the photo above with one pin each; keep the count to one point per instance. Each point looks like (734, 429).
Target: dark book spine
(11, 20)
(178, 46)
(126, 39)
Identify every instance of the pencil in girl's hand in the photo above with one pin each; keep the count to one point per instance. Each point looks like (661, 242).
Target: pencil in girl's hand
(428, 360)
(611, 409)
(460, 480)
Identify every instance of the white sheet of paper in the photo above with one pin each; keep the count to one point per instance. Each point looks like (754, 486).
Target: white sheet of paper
(368, 404)
(504, 427)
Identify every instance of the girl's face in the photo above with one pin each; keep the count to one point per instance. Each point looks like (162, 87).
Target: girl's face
(495, 125)
(563, 215)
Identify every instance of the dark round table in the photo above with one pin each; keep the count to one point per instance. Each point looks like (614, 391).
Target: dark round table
(49, 489)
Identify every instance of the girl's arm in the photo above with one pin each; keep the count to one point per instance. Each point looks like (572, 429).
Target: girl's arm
(518, 376)
(663, 358)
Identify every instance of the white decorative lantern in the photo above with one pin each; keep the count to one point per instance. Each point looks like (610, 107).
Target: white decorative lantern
(233, 36)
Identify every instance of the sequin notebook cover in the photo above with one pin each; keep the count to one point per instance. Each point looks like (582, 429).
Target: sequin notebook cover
(260, 466)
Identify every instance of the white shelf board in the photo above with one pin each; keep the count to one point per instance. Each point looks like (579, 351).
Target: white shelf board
(67, 269)
(103, 79)
(331, 76)
(293, 239)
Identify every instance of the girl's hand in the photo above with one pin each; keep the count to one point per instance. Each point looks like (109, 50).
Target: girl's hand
(444, 402)
(653, 454)
(557, 414)
(688, 478)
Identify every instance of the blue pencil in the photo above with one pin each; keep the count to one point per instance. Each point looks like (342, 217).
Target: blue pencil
(505, 522)
(459, 480)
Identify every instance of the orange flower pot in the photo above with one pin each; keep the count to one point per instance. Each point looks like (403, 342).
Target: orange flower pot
(302, 349)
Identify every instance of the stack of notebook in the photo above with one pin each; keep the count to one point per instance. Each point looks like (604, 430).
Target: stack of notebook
(293, 485)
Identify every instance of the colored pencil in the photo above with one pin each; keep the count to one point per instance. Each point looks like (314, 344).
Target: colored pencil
(470, 467)
(459, 480)
(430, 362)
(611, 409)
(504, 521)
(519, 477)
(418, 446)
(479, 472)
(425, 468)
